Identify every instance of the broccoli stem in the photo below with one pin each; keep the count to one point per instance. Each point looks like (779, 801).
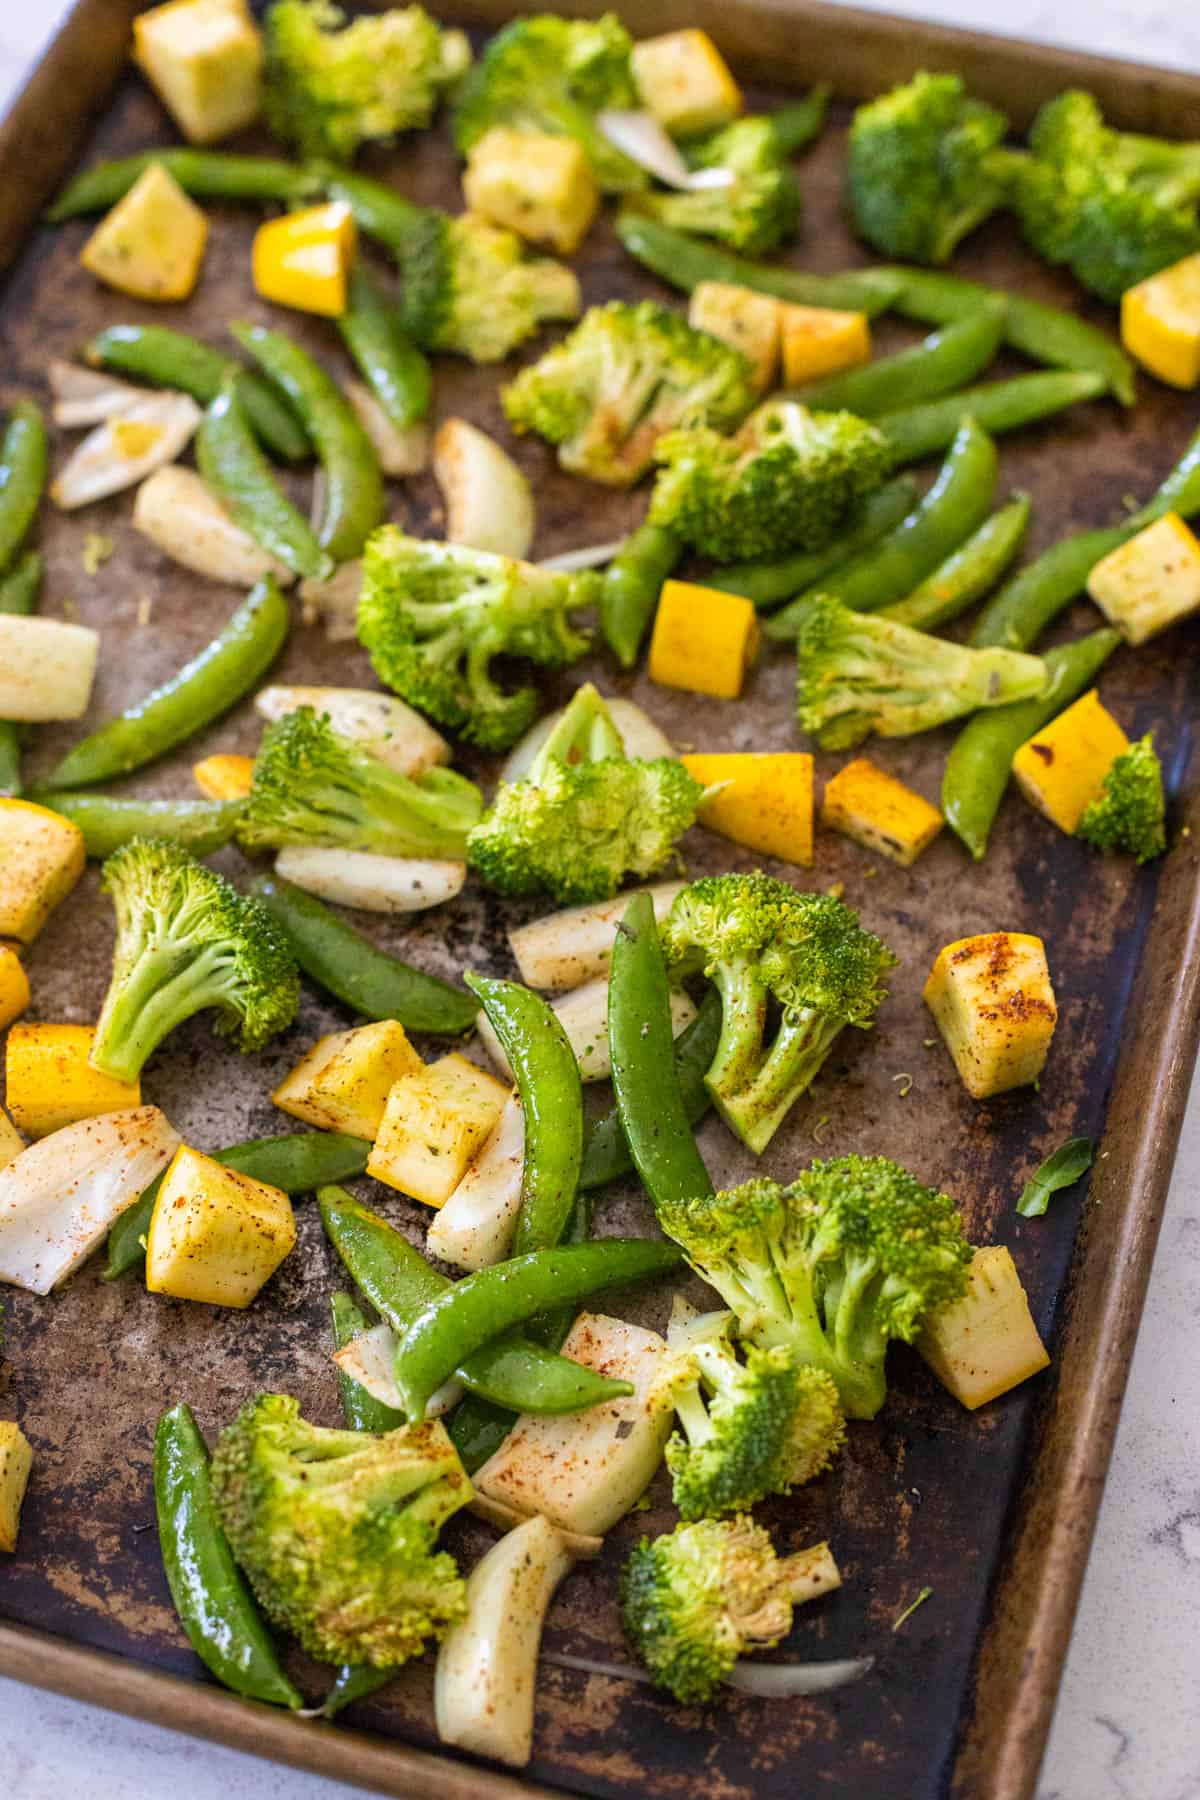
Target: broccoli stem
(744, 997)
(801, 1045)
(692, 1414)
(156, 994)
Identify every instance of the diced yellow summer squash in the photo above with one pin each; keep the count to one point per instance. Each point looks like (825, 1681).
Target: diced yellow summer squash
(994, 1006)
(865, 803)
(766, 802)
(152, 243)
(11, 1141)
(303, 259)
(14, 986)
(748, 322)
(434, 1123)
(539, 186)
(224, 777)
(344, 1082)
(215, 1235)
(1061, 769)
(41, 858)
(703, 640)
(1160, 323)
(49, 1081)
(16, 1460)
(204, 59)
(987, 1342)
(819, 340)
(1151, 582)
(685, 82)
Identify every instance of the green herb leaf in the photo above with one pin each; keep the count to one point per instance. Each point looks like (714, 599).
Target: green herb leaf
(1061, 1170)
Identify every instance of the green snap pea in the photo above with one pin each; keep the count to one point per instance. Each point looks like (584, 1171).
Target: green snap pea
(954, 507)
(204, 174)
(632, 583)
(686, 261)
(167, 358)
(978, 767)
(942, 364)
(18, 595)
(916, 432)
(235, 661)
(228, 457)
(368, 981)
(768, 581)
(472, 1314)
(797, 125)
(477, 1430)
(606, 1151)
(382, 212)
(967, 573)
(390, 363)
(200, 826)
(362, 1411)
(213, 1601)
(23, 454)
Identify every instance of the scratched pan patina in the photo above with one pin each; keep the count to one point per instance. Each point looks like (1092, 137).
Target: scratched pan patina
(922, 1497)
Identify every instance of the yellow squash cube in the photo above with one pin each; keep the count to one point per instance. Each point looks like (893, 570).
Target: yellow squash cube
(152, 243)
(985, 1343)
(819, 340)
(1061, 769)
(14, 986)
(766, 802)
(870, 806)
(49, 1081)
(994, 1006)
(11, 1141)
(685, 82)
(344, 1082)
(1151, 582)
(434, 1123)
(42, 856)
(224, 777)
(204, 59)
(16, 1460)
(215, 1235)
(748, 322)
(303, 259)
(1160, 323)
(539, 186)
(703, 640)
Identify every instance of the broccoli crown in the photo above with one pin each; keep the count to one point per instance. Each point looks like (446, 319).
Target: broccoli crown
(187, 941)
(313, 786)
(925, 167)
(336, 1529)
(763, 944)
(755, 212)
(433, 616)
(585, 815)
(331, 86)
(622, 379)
(853, 1253)
(1130, 814)
(470, 288)
(857, 673)
(787, 480)
(554, 75)
(693, 1601)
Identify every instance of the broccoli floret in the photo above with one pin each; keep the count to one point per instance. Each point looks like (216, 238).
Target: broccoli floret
(925, 167)
(696, 1599)
(765, 945)
(336, 1529)
(858, 673)
(470, 288)
(187, 941)
(1130, 814)
(554, 75)
(623, 378)
(313, 786)
(584, 815)
(756, 211)
(433, 616)
(853, 1253)
(331, 86)
(788, 480)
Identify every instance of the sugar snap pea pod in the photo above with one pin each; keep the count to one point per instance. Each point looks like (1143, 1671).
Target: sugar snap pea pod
(954, 507)
(200, 826)
(18, 594)
(236, 660)
(167, 358)
(213, 1601)
(632, 582)
(941, 364)
(390, 363)
(605, 1150)
(977, 769)
(362, 1411)
(797, 125)
(367, 980)
(22, 475)
(204, 174)
(1044, 333)
(353, 503)
(228, 457)
(477, 1430)
(915, 432)
(686, 261)
(382, 212)
(967, 573)
(767, 581)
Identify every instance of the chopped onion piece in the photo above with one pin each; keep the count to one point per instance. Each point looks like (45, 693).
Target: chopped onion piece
(474, 1228)
(382, 884)
(400, 453)
(370, 1359)
(178, 511)
(126, 448)
(489, 502)
(333, 603)
(764, 1681)
(640, 137)
(592, 558)
(390, 730)
(565, 949)
(88, 396)
(640, 735)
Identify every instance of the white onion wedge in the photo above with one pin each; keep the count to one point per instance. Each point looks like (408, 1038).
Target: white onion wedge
(382, 884)
(400, 453)
(489, 503)
(177, 510)
(385, 726)
(333, 604)
(370, 1359)
(88, 396)
(474, 1228)
(591, 557)
(126, 448)
(47, 667)
(59, 1198)
(567, 948)
(640, 735)
(640, 137)
(583, 1015)
(763, 1681)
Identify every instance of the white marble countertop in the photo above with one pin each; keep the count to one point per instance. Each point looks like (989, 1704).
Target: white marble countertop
(1128, 1719)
